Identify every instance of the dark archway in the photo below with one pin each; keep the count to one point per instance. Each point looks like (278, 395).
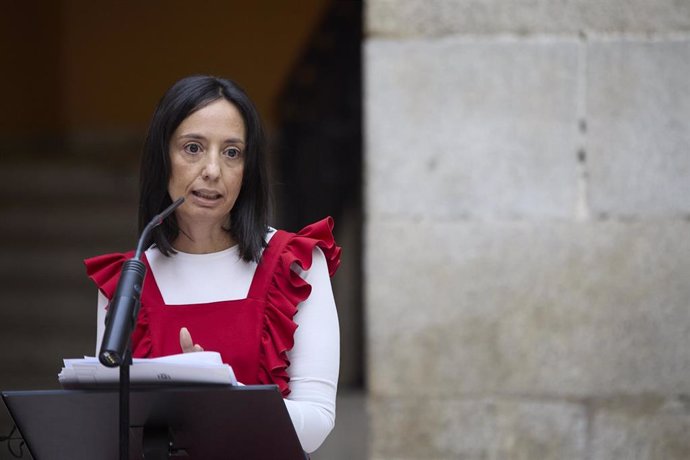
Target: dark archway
(318, 159)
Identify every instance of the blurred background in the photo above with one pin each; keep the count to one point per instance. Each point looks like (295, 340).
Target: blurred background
(80, 82)
(509, 180)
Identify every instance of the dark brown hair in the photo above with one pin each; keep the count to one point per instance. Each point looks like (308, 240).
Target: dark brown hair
(249, 215)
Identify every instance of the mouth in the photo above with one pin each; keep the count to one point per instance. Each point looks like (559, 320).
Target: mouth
(207, 194)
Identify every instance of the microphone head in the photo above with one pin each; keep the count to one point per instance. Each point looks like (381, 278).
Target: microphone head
(109, 358)
(155, 222)
(175, 204)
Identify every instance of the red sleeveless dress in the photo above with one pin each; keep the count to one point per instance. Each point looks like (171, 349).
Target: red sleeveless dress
(253, 335)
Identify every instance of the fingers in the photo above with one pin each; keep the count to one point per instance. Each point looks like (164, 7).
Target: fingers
(186, 343)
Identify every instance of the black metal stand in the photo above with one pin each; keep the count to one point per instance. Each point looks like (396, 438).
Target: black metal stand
(123, 309)
(156, 441)
(124, 405)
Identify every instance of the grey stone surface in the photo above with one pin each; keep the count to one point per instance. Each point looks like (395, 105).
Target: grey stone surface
(529, 308)
(649, 431)
(482, 129)
(638, 104)
(477, 429)
(503, 275)
(405, 18)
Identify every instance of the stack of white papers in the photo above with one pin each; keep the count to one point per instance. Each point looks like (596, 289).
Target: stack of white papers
(185, 368)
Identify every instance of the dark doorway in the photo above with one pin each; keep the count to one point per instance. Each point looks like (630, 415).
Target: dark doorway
(318, 159)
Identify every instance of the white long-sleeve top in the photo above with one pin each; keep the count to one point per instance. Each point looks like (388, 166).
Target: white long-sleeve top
(314, 358)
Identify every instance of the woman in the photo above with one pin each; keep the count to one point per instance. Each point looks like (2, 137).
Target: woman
(219, 279)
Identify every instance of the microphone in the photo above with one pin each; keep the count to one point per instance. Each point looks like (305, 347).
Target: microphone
(123, 308)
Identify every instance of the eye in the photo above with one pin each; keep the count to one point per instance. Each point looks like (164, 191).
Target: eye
(232, 152)
(192, 148)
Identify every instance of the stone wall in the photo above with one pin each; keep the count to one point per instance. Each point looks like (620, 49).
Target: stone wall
(527, 234)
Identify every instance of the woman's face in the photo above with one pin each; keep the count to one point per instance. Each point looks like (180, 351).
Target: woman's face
(207, 153)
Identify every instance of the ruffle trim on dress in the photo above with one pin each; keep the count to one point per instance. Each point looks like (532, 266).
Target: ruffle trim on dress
(105, 271)
(285, 292)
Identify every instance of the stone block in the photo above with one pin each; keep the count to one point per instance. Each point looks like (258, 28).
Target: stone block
(412, 18)
(648, 431)
(479, 129)
(638, 141)
(475, 429)
(550, 308)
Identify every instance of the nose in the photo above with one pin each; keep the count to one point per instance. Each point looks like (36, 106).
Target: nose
(211, 170)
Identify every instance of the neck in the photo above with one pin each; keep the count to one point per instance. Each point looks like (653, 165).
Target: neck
(203, 242)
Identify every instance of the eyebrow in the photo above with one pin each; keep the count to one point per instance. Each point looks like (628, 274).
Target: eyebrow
(199, 137)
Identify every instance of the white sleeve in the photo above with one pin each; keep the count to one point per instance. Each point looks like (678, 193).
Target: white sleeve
(100, 319)
(314, 359)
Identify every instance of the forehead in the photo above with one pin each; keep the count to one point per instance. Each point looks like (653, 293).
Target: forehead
(220, 117)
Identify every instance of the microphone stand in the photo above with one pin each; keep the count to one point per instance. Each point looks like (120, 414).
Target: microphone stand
(124, 405)
(123, 310)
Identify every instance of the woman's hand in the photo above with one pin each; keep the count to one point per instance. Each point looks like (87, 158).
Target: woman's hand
(186, 342)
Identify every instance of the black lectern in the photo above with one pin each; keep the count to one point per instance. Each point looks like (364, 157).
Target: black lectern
(176, 422)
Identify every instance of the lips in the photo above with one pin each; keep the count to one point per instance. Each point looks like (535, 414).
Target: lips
(207, 194)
